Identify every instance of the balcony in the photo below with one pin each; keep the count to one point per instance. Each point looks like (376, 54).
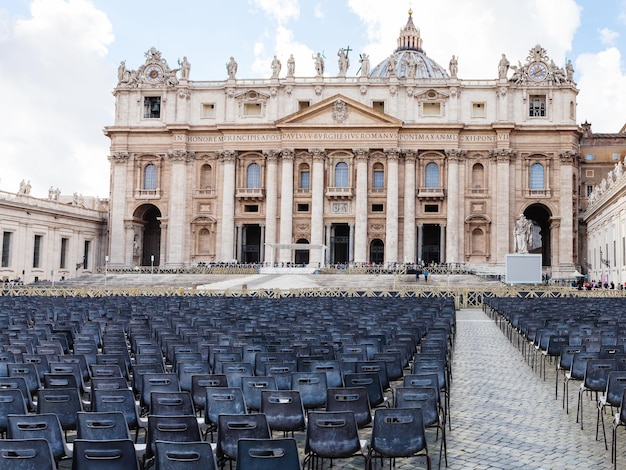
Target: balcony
(541, 193)
(205, 193)
(433, 194)
(250, 194)
(338, 193)
(147, 194)
(302, 191)
(477, 192)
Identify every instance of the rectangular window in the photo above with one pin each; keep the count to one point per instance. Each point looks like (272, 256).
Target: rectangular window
(64, 243)
(251, 208)
(303, 105)
(589, 189)
(616, 156)
(379, 179)
(378, 106)
(478, 110)
(431, 109)
(378, 208)
(37, 250)
(589, 173)
(152, 107)
(208, 110)
(305, 180)
(6, 249)
(86, 254)
(252, 109)
(537, 106)
(303, 208)
(590, 156)
(431, 208)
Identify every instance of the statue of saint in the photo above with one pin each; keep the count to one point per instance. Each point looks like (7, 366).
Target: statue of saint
(185, 67)
(569, 71)
(343, 61)
(503, 67)
(523, 234)
(365, 65)
(276, 66)
(454, 67)
(121, 72)
(231, 67)
(291, 66)
(319, 65)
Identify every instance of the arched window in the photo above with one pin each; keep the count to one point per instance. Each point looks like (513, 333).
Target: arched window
(478, 176)
(378, 176)
(204, 241)
(341, 175)
(478, 242)
(206, 177)
(431, 176)
(537, 177)
(150, 177)
(304, 181)
(253, 176)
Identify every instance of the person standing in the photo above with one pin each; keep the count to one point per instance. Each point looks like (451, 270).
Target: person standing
(426, 273)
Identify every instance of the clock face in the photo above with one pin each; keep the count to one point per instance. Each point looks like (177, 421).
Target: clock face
(538, 71)
(153, 73)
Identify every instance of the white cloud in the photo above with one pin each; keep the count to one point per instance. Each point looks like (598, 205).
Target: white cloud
(608, 36)
(318, 13)
(59, 98)
(284, 45)
(281, 10)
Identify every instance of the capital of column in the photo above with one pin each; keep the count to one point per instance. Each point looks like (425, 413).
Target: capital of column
(318, 154)
(180, 155)
(361, 154)
(287, 154)
(568, 156)
(271, 155)
(227, 156)
(409, 155)
(456, 155)
(503, 155)
(392, 154)
(119, 157)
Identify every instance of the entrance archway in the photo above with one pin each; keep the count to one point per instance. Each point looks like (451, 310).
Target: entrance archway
(302, 256)
(377, 251)
(251, 246)
(431, 251)
(149, 247)
(540, 216)
(339, 243)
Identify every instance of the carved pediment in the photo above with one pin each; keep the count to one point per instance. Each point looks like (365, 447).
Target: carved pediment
(252, 96)
(431, 95)
(339, 110)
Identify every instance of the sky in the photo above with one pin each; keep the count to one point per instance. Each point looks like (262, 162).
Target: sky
(59, 59)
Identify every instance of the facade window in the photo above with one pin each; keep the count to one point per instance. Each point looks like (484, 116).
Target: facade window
(251, 208)
(253, 176)
(208, 110)
(378, 176)
(341, 175)
(253, 109)
(150, 177)
(590, 156)
(37, 251)
(303, 105)
(305, 177)
(537, 106)
(378, 106)
(431, 208)
(537, 177)
(204, 241)
(152, 107)
(589, 189)
(64, 244)
(6, 249)
(478, 176)
(378, 208)
(206, 177)
(303, 207)
(432, 109)
(616, 156)
(478, 110)
(86, 254)
(431, 175)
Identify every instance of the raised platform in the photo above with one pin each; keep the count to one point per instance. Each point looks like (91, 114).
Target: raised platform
(288, 270)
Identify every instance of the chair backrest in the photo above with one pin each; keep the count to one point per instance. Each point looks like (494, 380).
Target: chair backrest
(11, 402)
(26, 454)
(424, 398)
(109, 383)
(567, 355)
(597, 374)
(171, 429)
(371, 382)
(199, 384)
(39, 426)
(579, 363)
(227, 400)
(283, 409)
(186, 370)
(332, 369)
(432, 366)
(312, 387)
(332, 434)
(354, 399)
(157, 383)
(122, 400)
(20, 384)
(616, 384)
(261, 358)
(252, 388)
(104, 455)
(231, 428)
(93, 425)
(63, 402)
(184, 456)
(105, 370)
(398, 432)
(375, 366)
(393, 361)
(28, 372)
(281, 371)
(234, 371)
(268, 454)
(41, 363)
(171, 404)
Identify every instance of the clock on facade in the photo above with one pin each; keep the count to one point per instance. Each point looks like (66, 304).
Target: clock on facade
(153, 73)
(537, 71)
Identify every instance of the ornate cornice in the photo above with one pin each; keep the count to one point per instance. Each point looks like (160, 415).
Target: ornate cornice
(227, 156)
(119, 157)
(361, 155)
(392, 153)
(287, 154)
(271, 155)
(569, 156)
(318, 154)
(409, 156)
(503, 155)
(181, 155)
(456, 155)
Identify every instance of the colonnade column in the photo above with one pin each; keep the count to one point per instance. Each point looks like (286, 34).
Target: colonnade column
(178, 228)
(454, 218)
(408, 247)
(360, 219)
(317, 205)
(130, 255)
(327, 255)
(442, 243)
(227, 242)
(123, 254)
(262, 250)
(391, 223)
(351, 243)
(286, 205)
(503, 199)
(566, 249)
(239, 242)
(271, 203)
(420, 242)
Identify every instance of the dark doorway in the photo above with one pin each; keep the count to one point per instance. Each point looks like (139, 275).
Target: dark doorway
(377, 251)
(302, 256)
(251, 249)
(151, 248)
(431, 248)
(339, 243)
(540, 217)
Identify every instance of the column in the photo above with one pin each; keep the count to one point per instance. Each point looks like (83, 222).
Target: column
(227, 242)
(317, 204)
(408, 247)
(420, 242)
(502, 197)
(123, 252)
(391, 223)
(239, 242)
(286, 205)
(271, 200)
(262, 250)
(327, 259)
(351, 243)
(360, 207)
(178, 228)
(442, 243)
(130, 257)
(454, 216)
(566, 249)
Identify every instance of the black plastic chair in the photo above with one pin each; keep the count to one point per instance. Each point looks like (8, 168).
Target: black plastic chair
(156, 383)
(252, 388)
(11, 402)
(184, 456)
(281, 372)
(226, 400)
(564, 364)
(331, 435)
(94, 426)
(612, 397)
(354, 399)
(283, 410)
(398, 432)
(596, 379)
(104, 455)
(199, 384)
(26, 454)
(371, 382)
(171, 429)
(186, 370)
(268, 454)
(234, 371)
(332, 369)
(231, 428)
(65, 403)
(619, 420)
(40, 426)
(171, 404)
(577, 372)
(312, 387)
(122, 400)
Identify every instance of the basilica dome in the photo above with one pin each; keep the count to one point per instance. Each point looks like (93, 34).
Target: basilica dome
(409, 59)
